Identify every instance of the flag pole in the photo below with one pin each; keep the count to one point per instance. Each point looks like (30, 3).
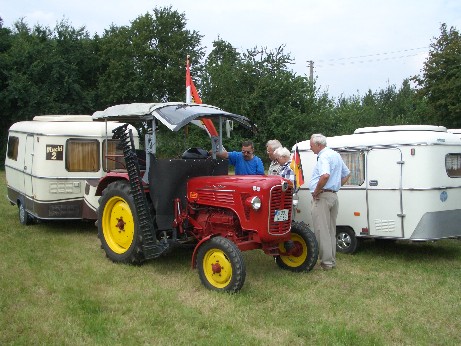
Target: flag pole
(193, 96)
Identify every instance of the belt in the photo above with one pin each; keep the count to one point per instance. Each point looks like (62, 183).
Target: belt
(325, 190)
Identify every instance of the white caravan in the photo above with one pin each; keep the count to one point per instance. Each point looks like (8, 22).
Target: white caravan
(54, 162)
(455, 131)
(405, 184)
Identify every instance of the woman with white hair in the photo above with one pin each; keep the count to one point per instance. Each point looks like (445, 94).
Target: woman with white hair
(283, 157)
(271, 146)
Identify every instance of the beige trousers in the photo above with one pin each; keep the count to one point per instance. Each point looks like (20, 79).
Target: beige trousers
(324, 212)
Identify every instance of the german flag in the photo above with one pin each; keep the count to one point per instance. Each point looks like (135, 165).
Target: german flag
(297, 168)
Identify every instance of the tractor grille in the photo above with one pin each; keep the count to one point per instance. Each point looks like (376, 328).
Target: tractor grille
(280, 200)
(213, 197)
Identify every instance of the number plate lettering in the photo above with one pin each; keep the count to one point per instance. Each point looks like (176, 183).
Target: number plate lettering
(281, 215)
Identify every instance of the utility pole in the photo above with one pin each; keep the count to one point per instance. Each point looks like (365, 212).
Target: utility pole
(311, 70)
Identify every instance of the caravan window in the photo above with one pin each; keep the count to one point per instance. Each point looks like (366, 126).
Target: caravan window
(115, 159)
(82, 155)
(453, 165)
(355, 161)
(13, 145)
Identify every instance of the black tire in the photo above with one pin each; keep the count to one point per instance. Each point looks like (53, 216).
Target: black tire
(306, 252)
(220, 265)
(118, 224)
(346, 241)
(24, 217)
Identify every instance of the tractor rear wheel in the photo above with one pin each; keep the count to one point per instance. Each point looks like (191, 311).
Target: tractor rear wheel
(305, 253)
(220, 265)
(118, 224)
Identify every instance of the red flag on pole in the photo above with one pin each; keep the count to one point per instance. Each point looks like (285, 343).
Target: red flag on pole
(193, 96)
(297, 168)
(191, 91)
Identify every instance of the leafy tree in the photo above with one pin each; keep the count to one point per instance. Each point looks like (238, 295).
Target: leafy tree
(145, 62)
(260, 85)
(65, 71)
(45, 71)
(409, 107)
(440, 82)
(49, 71)
(389, 106)
(5, 116)
(219, 83)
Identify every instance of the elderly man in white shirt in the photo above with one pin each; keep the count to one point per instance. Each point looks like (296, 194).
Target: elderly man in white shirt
(329, 174)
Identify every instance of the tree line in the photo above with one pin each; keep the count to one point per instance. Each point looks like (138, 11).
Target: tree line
(64, 70)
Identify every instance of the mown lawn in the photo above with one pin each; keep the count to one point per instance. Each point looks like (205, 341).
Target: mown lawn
(57, 288)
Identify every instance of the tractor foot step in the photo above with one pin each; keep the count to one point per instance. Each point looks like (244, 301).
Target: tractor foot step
(155, 250)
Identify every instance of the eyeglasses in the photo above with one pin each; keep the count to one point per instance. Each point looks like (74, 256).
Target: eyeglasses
(247, 152)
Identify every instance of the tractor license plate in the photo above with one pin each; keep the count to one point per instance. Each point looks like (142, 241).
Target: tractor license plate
(281, 215)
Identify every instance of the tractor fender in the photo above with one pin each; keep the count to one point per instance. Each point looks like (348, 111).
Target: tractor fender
(194, 254)
(110, 178)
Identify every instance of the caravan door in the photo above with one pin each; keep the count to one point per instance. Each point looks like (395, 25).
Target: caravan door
(28, 163)
(384, 192)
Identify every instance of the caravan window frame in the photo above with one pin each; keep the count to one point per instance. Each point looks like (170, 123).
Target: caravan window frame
(112, 162)
(83, 163)
(454, 161)
(13, 148)
(355, 161)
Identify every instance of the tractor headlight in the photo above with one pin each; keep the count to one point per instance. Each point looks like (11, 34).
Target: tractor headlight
(295, 199)
(284, 186)
(254, 202)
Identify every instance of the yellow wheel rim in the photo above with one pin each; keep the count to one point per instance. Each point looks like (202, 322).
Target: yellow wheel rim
(217, 268)
(118, 225)
(299, 256)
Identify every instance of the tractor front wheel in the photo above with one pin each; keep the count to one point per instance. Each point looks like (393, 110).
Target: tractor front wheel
(220, 265)
(303, 249)
(118, 224)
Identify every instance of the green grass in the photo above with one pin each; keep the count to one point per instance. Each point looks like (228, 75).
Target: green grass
(57, 288)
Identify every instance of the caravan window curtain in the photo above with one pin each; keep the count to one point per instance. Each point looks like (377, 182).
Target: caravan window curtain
(453, 165)
(355, 161)
(13, 145)
(82, 155)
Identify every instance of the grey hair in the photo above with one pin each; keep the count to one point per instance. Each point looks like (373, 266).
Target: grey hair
(273, 144)
(318, 138)
(282, 152)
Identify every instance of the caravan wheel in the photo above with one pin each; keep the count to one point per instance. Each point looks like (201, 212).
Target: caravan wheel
(346, 241)
(24, 217)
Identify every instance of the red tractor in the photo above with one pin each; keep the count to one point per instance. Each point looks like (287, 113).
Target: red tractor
(157, 204)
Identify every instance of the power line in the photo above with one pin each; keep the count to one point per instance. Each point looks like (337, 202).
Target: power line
(343, 61)
(370, 60)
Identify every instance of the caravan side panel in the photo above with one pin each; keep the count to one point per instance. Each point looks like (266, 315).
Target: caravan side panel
(405, 184)
(432, 191)
(52, 163)
(352, 200)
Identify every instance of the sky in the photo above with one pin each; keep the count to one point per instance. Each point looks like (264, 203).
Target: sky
(355, 45)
